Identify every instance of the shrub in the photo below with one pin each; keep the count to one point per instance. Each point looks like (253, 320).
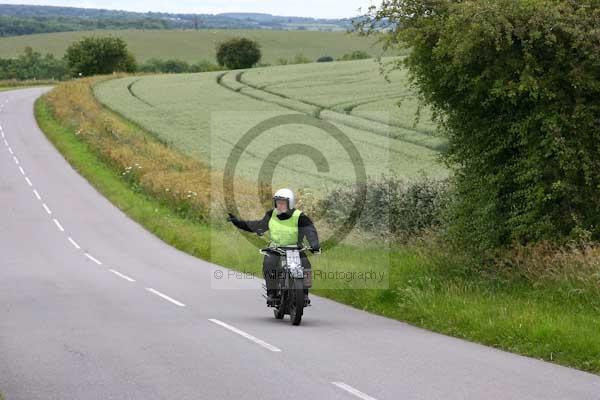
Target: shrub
(175, 67)
(32, 66)
(238, 53)
(204, 66)
(301, 59)
(152, 65)
(99, 56)
(401, 208)
(325, 59)
(355, 55)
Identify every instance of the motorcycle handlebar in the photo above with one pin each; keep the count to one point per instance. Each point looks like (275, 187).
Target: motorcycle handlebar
(281, 249)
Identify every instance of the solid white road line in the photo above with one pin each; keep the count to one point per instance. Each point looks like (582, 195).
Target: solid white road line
(164, 296)
(10, 150)
(58, 225)
(74, 243)
(246, 335)
(28, 181)
(353, 391)
(88, 255)
(121, 275)
(37, 194)
(45, 206)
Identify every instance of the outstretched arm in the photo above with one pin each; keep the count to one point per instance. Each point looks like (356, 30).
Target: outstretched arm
(259, 226)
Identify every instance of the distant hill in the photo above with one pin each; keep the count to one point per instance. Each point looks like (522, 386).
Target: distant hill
(260, 17)
(18, 20)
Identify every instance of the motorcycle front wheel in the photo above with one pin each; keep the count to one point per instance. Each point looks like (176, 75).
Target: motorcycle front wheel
(296, 301)
(279, 311)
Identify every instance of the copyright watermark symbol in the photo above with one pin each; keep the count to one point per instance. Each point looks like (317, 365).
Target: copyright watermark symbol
(291, 150)
(256, 153)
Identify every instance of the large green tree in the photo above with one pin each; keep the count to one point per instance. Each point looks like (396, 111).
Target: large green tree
(99, 56)
(238, 53)
(516, 86)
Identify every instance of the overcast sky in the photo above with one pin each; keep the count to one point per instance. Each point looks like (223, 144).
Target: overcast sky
(303, 8)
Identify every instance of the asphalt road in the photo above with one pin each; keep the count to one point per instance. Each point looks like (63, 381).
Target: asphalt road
(92, 306)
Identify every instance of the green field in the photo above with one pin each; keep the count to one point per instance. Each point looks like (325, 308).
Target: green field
(204, 115)
(193, 46)
(357, 88)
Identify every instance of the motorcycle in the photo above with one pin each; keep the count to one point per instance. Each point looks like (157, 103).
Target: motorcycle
(290, 282)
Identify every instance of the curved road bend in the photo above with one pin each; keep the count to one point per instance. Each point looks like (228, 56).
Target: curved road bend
(92, 306)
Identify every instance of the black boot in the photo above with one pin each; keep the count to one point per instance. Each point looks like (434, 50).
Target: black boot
(306, 299)
(272, 298)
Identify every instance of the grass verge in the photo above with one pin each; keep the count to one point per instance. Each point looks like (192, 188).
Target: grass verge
(427, 287)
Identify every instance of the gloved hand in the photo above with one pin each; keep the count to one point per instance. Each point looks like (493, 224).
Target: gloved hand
(232, 218)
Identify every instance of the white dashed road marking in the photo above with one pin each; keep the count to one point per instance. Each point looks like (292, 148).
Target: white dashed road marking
(164, 296)
(46, 208)
(37, 194)
(74, 243)
(88, 255)
(353, 391)
(246, 335)
(121, 275)
(58, 225)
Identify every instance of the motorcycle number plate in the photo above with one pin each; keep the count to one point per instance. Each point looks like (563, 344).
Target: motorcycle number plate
(294, 264)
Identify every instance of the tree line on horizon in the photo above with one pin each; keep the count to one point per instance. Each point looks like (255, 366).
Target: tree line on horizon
(106, 55)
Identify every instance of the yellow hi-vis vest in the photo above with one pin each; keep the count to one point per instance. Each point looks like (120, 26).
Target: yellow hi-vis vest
(284, 232)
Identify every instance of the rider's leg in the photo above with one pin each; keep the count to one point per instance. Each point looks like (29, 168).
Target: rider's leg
(307, 274)
(270, 267)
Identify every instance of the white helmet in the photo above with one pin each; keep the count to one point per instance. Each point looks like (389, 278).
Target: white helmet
(285, 194)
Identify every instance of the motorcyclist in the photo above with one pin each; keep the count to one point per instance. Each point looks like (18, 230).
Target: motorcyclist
(288, 227)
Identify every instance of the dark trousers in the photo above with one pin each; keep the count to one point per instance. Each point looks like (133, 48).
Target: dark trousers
(272, 267)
